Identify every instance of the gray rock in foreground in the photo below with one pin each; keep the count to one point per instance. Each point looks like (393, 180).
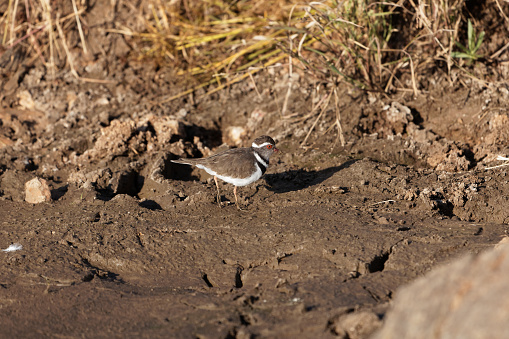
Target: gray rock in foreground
(468, 298)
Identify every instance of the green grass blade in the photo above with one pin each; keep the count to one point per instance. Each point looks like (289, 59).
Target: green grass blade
(460, 45)
(480, 39)
(471, 36)
(461, 55)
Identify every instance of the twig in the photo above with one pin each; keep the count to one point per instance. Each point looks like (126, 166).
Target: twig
(324, 108)
(66, 49)
(503, 14)
(47, 15)
(497, 53)
(256, 87)
(290, 69)
(29, 34)
(502, 165)
(338, 119)
(382, 202)
(13, 19)
(78, 22)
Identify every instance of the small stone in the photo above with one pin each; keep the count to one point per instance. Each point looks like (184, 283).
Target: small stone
(102, 101)
(234, 135)
(399, 113)
(25, 100)
(37, 191)
(356, 325)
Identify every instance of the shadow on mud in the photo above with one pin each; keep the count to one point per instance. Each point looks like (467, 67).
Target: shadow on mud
(295, 180)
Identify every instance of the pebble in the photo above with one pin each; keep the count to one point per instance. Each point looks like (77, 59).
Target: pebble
(37, 191)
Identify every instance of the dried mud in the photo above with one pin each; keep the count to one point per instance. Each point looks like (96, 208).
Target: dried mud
(132, 245)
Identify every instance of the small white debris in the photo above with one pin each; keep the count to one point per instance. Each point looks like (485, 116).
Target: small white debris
(13, 247)
(500, 158)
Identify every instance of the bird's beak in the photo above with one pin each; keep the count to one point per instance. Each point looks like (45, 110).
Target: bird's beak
(276, 150)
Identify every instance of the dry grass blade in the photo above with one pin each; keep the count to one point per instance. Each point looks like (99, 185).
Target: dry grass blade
(67, 52)
(226, 84)
(324, 108)
(500, 158)
(78, 22)
(41, 30)
(386, 46)
(214, 39)
(290, 70)
(46, 10)
(338, 119)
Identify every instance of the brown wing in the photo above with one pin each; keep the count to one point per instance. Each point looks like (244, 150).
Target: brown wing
(235, 163)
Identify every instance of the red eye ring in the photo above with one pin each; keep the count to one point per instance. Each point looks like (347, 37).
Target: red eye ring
(269, 146)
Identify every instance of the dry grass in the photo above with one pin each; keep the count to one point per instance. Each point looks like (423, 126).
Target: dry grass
(217, 42)
(379, 46)
(389, 46)
(38, 27)
(372, 45)
(369, 44)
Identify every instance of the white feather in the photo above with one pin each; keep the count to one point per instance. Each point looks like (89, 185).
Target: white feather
(13, 247)
(260, 160)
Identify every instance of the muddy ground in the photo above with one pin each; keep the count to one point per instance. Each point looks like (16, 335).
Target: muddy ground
(132, 245)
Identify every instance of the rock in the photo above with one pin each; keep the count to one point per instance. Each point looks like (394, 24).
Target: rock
(397, 112)
(25, 100)
(502, 243)
(356, 325)
(234, 135)
(37, 191)
(467, 298)
(398, 116)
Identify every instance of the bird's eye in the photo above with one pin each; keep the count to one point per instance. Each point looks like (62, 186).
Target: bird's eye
(269, 146)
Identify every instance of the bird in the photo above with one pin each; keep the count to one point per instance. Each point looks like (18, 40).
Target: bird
(237, 166)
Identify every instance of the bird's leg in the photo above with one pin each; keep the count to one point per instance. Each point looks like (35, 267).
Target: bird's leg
(218, 194)
(236, 199)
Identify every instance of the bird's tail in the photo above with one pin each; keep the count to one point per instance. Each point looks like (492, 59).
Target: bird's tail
(184, 161)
